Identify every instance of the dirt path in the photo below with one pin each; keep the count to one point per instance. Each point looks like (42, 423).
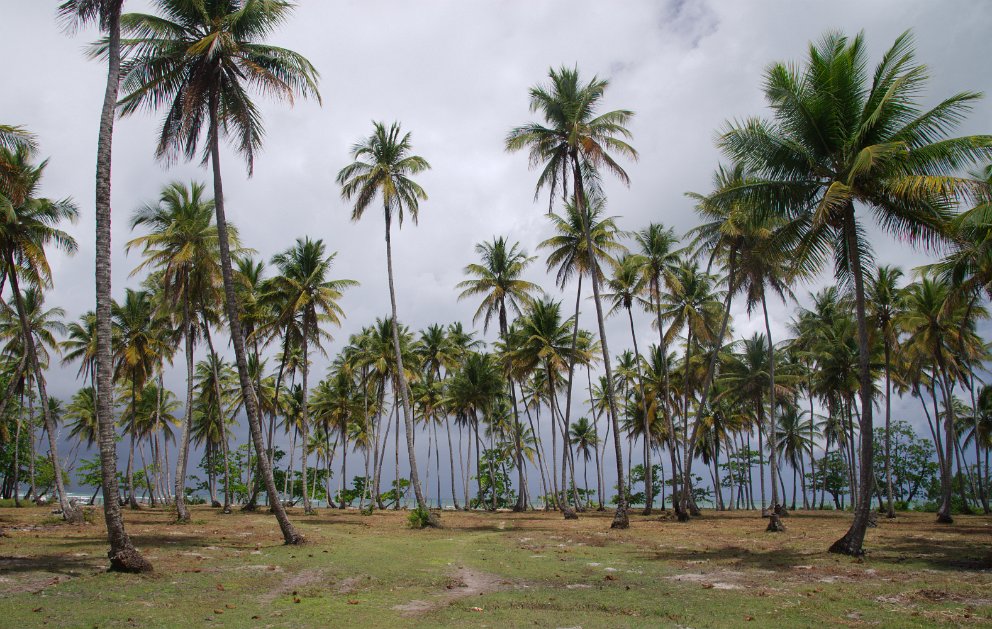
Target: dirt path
(464, 583)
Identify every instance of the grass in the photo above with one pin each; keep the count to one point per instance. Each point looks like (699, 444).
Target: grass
(495, 570)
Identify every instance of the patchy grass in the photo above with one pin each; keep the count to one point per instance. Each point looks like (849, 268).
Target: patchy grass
(499, 569)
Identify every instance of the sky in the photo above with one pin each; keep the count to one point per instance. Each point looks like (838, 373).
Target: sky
(456, 75)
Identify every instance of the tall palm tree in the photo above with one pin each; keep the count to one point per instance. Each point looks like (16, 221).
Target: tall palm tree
(627, 285)
(884, 300)
(541, 340)
(107, 14)
(572, 147)
(693, 305)
(659, 256)
(583, 436)
(310, 297)
(843, 143)
(181, 246)
(141, 344)
(27, 227)
(474, 390)
(201, 58)
(383, 167)
(936, 326)
(498, 280)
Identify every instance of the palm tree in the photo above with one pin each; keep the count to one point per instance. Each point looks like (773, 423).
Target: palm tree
(883, 311)
(474, 390)
(659, 260)
(842, 143)
(694, 306)
(200, 58)
(82, 413)
(575, 145)
(583, 436)
(107, 14)
(498, 280)
(312, 299)
(26, 228)
(141, 344)
(571, 256)
(937, 326)
(541, 340)
(181, 246)
(627, 285)
(383, 167)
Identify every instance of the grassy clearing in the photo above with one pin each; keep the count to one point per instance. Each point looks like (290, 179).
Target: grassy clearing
(495, 570)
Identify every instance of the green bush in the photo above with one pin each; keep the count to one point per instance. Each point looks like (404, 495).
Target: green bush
(419, 518)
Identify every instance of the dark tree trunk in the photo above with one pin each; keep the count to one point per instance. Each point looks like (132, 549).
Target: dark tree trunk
(69, 512)
(852, 541)
(620, 518)
(401, 377)
(237, 338)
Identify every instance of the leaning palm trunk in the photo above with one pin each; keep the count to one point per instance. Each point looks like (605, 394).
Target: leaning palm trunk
(851, 542)
(401, 377)
(620, 519)
(182, 512)
(237, 338)
(69, 512)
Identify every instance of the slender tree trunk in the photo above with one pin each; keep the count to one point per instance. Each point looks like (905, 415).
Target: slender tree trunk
(648, 489)
(890, 510)
(307, 507)
(401, 376)
(620, 518)
(852, 541)
(221, 419)
(947, 477)
(69, 512)
(237, 338)
(182, 513)
(667, 394)
(451, 459)
(123, 555)
(131, 498)
(17, 455)
(777, 508)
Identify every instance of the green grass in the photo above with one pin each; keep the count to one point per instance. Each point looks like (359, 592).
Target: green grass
(719, 571)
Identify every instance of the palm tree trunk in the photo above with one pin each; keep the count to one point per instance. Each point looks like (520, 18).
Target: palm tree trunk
(182, 513)
(307, 507)
(620, 518)
(890, 510)
(451, 460)
(947, 477)
(595, 432)
(401, 374)
(778, 509)
(648, 489)
(711, 368)
(221, 420)
(123, 555)
(131, 498)
(17, 454)
(69, 513)
(666, 391)
(852, 541)
(237, 338)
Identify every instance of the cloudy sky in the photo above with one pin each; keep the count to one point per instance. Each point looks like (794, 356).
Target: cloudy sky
(456, 75)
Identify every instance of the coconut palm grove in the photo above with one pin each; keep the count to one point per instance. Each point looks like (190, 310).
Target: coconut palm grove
(765, 417)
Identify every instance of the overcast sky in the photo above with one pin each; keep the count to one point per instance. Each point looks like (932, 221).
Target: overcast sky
(456, 75)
